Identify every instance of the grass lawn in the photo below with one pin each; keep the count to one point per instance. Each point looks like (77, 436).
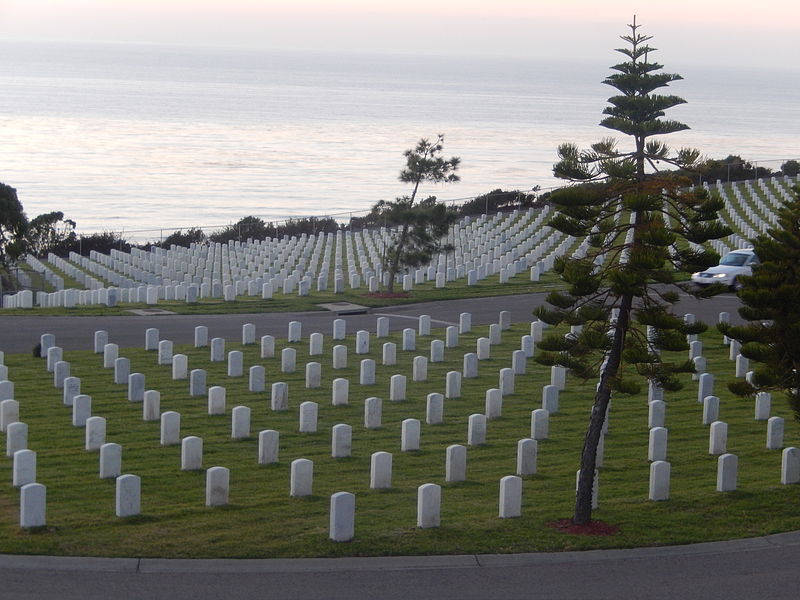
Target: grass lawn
(262, 520)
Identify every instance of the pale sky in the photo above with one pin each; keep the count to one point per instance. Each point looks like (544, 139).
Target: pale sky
(733, 32)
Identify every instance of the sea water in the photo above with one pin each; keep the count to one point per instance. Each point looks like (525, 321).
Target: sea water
(146, 139)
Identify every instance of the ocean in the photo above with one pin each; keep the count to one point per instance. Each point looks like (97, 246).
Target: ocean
(145, 139)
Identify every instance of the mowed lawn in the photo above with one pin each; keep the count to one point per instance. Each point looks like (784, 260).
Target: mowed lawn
(262, 520)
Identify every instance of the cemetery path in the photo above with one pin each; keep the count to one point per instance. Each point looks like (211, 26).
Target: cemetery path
(19, 334)
(763, 567)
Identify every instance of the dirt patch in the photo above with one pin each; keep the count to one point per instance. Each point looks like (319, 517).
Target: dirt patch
(590, 528)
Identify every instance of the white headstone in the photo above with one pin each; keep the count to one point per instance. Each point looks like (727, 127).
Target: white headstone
(367, 374)
(316, 343)
(527, 451)
(110, 461)
(81, 410)
(151, 339)
(727, 472)
(493, 406)
(340, 357)
(763, 406)
(429, 502)
(409, 340)
(129, 499)
(217, 486)
(267, 346)
(510, 497)
(342, 517)
(302, 477)
(32, 505)
(476, 430)
(705, 386)
(410, 431)
(718, 437)
(657, 448)
(217, 349)
(295, 331)
(470, 366)
(790, 466)
(240, 422)
(268, 446)
(483, 348)
(455, 464)
(308, 417)
(341, 440)
(452, 384)
(110, 354)
(710, 410)
(170, 428)
(373, 411)
(23, 470)
(216, 400)
(540, 424)
(659, 480)
(464, 323)
(197, 382)
(191, 453)
(95, 434)
(775, 427)
(280, 396)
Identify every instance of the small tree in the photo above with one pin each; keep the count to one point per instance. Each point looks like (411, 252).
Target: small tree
(638, 223)
(791, 168)
(184, 238)
(771, 336)
(12, 231)
(418, 225)
(50, 232)
(246, 227)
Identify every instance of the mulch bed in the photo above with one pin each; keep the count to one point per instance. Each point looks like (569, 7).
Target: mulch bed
(590, 528)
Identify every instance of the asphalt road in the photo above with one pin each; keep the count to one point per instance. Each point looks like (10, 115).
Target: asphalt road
(19, 334)
(751, 569)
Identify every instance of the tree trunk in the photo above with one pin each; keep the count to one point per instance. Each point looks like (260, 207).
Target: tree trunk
(583, 495)
(395, 263)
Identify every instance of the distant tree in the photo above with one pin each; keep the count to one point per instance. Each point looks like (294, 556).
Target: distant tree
(13, 223)
(731, 168)
(247, 227)
(771, 337)
(414, 233)
(184, 239)
(638, 222)
(498, 200)
(103, 242)
(50, 232)
(791, 168)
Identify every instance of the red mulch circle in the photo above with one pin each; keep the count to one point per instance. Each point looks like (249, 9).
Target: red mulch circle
(590, 528)
(388, 295)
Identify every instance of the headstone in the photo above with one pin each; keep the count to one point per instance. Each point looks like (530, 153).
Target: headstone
(217, 486)
(540, 424)
(476, 430)
(382, 327)
(248, 334)
(308, 417)
(493, 403)
(197, 382)
(217, 349)
(389, 353)
(550, 398)
(170, 428)
(315, 344)
(380, 472)
(775, 427)
(527, 450)
(483, 348)
(81, 410)
(295, 332)
(240, 423)
(32, 506)
(256, 379)
(341, 441)
(657, 448)
(60, 373)
(734, 349)
(464, 323)
(420, 368)
(409, 439)
(504, 320)
(342, 517)
(659, 480)
(151, 339)
(302, 477)
(397, 388)
(763, 406)
(742, 366)
(790, 466)
(180, 366)
(705, 386)
(23, 470)
(727, 472)
(288, 360)
(558, 377)
(527, 346)
(455, 465)
(470, 366)
(367, 374)
(165, 352)
(518, 362)
(362, 342)
(656, 413)
(110, 354)
(151, 406)
(451, 336)
(267, 346)
(340, 392)
(718, 438)
(452, 384)
(216, 400)
(191, 453)
(510, 497)
(537, 330)
(409, 340)
(110, 461)
(268, 446)
(340, 357)
(339, 329)
(100, 340)
(235, 363)
(54, 355)
(47, 341)
(9, 413)
(129, 500)
(122, 370)
(429, 502)
(434, 410)
(373, 412)
(495, 334)
(279, 400)
(95, 434)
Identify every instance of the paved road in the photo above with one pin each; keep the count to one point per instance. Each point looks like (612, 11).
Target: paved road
(751, 569)
(19, 334)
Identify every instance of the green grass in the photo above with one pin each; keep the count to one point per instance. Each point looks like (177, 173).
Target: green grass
(262, 520)
(426, 292)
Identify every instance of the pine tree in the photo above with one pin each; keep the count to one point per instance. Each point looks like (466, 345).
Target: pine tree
(771, 337)
(418, 226)
(643, 226)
